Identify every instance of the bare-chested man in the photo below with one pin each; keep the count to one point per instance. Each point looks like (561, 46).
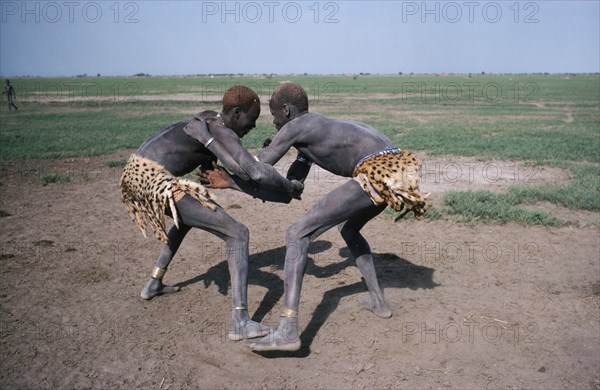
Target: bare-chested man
(382, 175)
(150, 186)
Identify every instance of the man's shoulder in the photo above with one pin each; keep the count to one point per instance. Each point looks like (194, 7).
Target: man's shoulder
(308, 119)
(224, 134)
(207, 114)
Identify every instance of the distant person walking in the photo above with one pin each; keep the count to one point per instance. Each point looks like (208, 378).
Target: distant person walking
(10, 95)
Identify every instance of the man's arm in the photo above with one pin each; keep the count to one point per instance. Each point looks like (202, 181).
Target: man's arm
(220, 179)
(225, 144)
(263, 192)
(299, 168)
(198, 128)
(245, 166)
(281, 143)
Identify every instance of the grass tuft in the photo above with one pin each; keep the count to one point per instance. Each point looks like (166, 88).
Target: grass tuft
(48, 178)
(116, 163)
(487, 206)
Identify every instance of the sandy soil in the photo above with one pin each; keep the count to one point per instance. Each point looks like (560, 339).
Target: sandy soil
(475, 306)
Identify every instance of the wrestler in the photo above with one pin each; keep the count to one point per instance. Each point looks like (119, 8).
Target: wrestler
(382, 175)
(150, 186)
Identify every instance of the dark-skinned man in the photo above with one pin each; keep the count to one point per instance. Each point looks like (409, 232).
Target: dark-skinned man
(151, 186)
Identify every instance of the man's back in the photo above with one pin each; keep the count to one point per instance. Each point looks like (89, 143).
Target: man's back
(176, 151)
(333, 144)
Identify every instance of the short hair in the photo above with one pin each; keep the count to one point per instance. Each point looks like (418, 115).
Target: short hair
(239, 96)
(290, 93)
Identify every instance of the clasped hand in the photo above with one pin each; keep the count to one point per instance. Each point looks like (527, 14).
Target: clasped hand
(218, 178)
(214, 178)
(298, 188)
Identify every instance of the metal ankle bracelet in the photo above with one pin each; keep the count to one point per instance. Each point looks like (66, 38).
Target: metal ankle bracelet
(289, 313)
(158, 273)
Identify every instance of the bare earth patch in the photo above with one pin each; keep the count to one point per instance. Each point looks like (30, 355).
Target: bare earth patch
(449, 173)
(576, 217)
(496, 306)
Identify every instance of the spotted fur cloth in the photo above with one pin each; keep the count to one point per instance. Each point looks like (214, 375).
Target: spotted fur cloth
(392, 176)
(147, 189)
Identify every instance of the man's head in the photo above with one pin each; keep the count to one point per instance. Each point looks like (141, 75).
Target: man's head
(241, 108)
(288, 101)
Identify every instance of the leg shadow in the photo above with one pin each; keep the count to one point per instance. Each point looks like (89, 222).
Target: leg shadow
(393, 272)
(272, 259)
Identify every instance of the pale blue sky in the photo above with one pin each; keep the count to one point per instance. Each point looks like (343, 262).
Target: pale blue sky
(63, 38)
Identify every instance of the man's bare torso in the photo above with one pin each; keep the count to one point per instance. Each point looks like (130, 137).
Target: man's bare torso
(176, 151)
(335, 145)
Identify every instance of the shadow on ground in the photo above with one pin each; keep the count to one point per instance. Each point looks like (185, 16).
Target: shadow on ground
(392, 270)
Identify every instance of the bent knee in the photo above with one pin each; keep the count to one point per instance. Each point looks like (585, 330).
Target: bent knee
(293, 233)
(349, 234)
(240, 233)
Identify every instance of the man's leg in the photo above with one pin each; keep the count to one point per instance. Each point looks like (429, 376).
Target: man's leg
(337, 206)
(236, 237)
(155, 286)
(359, 247)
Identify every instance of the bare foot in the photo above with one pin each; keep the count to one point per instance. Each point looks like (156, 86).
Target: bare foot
(285, 338)
(155, 287)
(382, 311)
(247, 330)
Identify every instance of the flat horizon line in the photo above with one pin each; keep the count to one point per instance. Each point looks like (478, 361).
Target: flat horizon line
(269, 75)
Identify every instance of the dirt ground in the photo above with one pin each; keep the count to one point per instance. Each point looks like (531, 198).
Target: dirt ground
(475, 306)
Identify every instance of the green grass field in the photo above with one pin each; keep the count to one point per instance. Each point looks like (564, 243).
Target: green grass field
(549, 120)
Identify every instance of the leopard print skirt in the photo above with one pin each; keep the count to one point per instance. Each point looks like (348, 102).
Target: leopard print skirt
(392, 176)
(147, 189)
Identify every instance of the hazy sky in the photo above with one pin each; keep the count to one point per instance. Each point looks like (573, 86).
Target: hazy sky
(62, 38)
